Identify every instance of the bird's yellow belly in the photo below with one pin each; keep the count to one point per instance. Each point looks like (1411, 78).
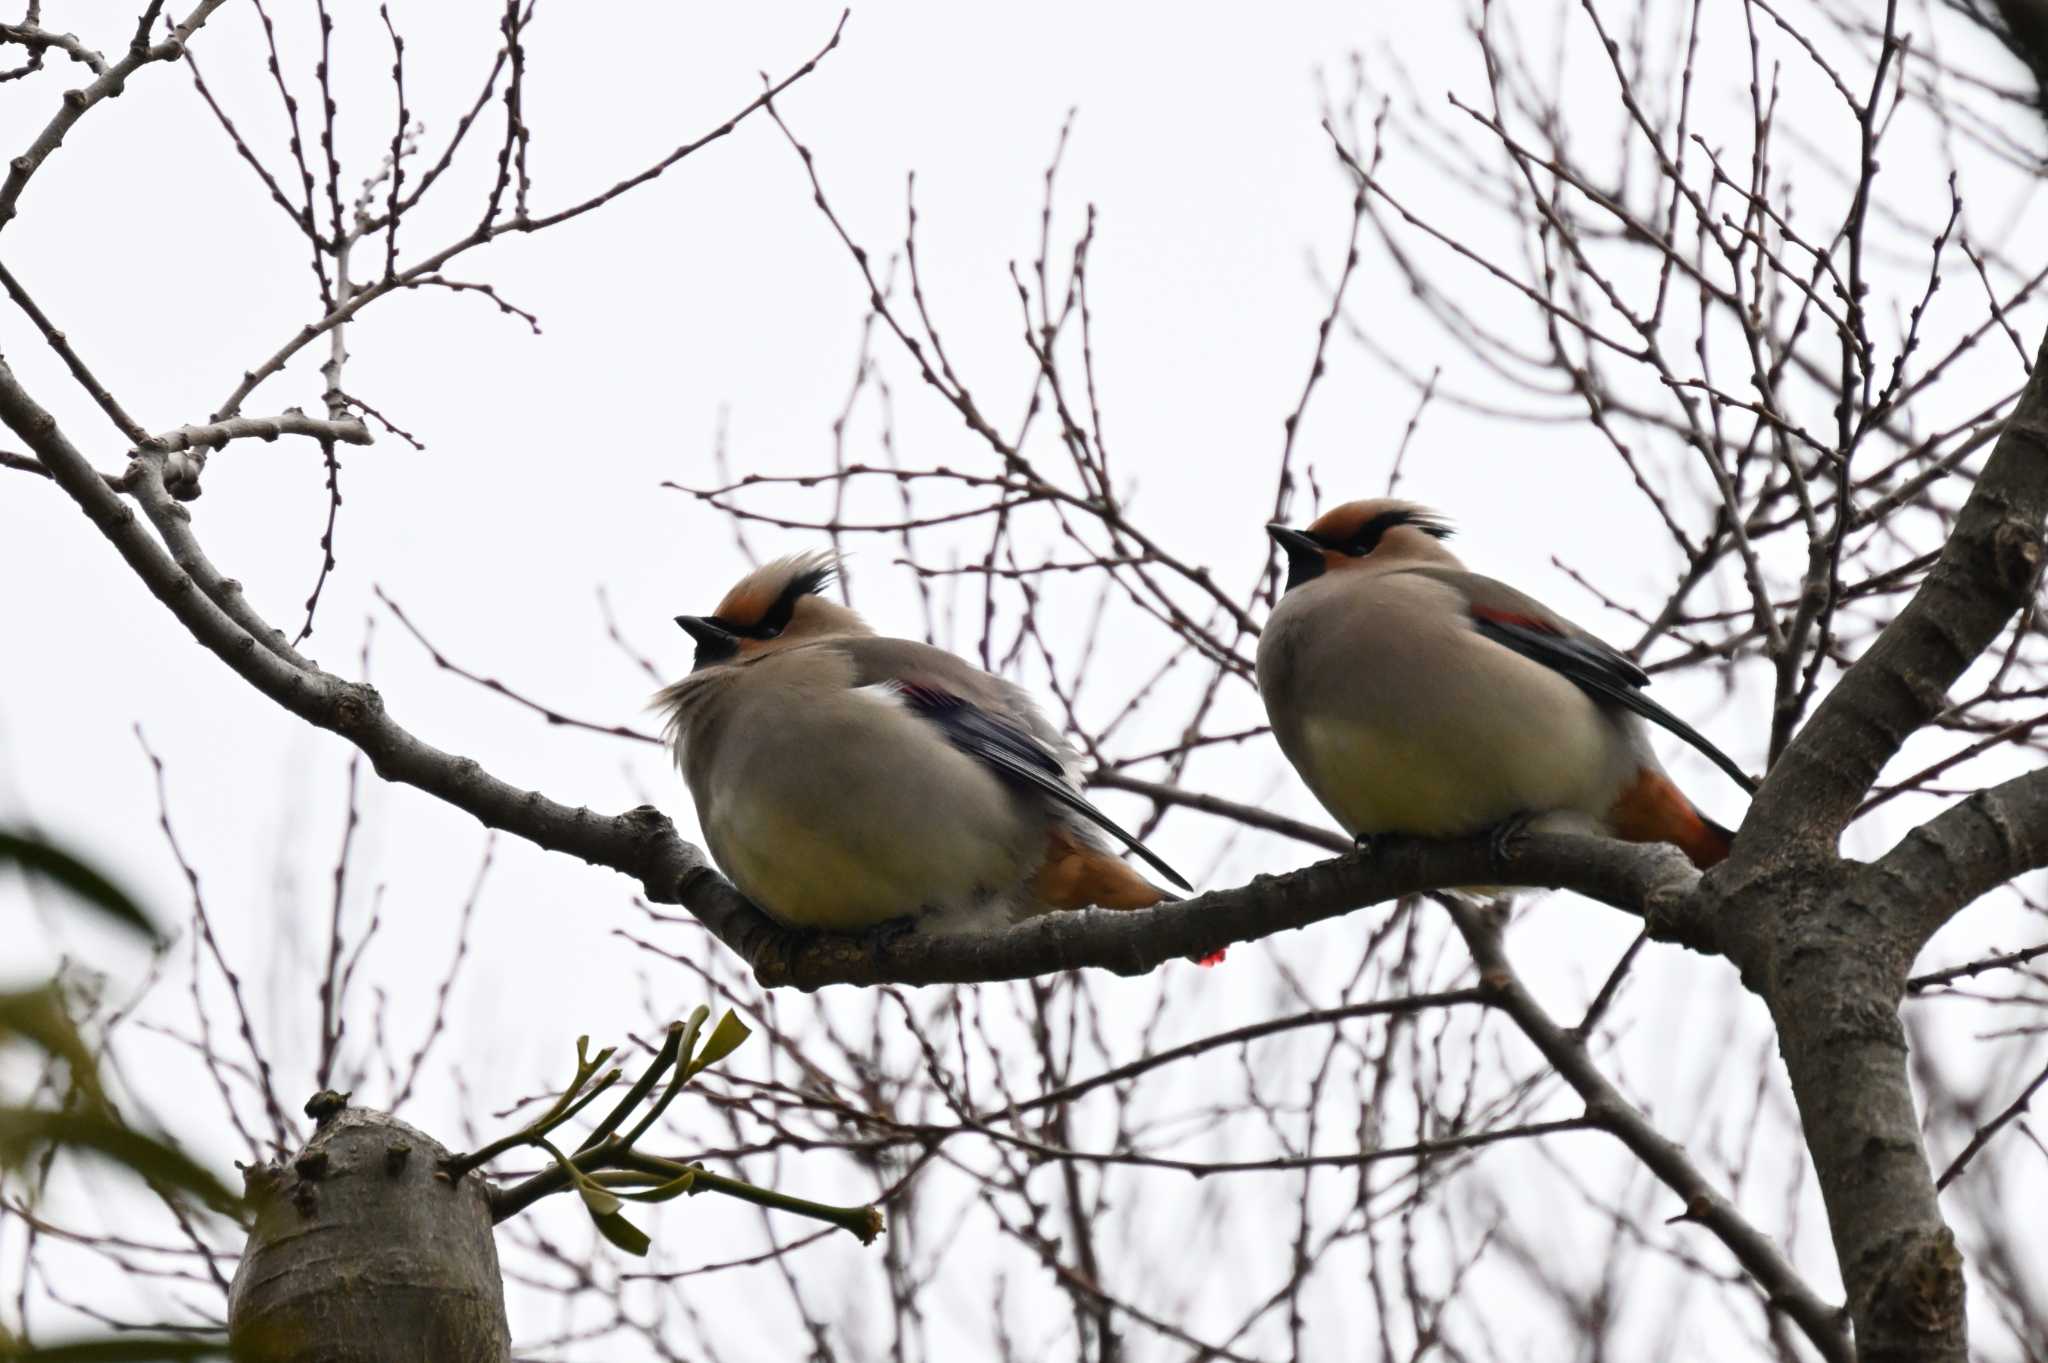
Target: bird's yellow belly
(854, 876)
(1379, 779)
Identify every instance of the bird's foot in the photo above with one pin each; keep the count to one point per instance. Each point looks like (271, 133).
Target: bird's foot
(1500, 842)
(1363, 842)
(883, 937)
(776, 949)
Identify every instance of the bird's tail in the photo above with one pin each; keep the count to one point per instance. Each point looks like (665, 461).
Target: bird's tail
(1076, 874)
(1652, 809)
(1715, 848)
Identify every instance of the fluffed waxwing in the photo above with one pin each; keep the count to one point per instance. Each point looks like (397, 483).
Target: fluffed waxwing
(843, 780)
(1416, 697)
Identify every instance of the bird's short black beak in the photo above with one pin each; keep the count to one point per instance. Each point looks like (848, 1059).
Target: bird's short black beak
(702, 630)
(1305, 560)
(715, 643)
(1293, 541)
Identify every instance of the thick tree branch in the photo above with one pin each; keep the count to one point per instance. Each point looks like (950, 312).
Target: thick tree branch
(146, 479)
(1611, 1112)
(1833, 977)
(1653, 880)
(214, 434)
(1828, 946)
(1986, 572)
(1968, 850)
(189, 445)
(1625, 875)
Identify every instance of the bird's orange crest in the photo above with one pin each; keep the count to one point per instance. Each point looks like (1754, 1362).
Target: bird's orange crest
(756, 594)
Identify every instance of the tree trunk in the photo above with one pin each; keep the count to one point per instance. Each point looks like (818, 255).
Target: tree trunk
(1827, 953)
(364, 1251)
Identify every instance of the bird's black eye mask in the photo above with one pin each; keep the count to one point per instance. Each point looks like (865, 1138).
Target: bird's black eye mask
(718, 639)
(1305, 549)
(1367, 537)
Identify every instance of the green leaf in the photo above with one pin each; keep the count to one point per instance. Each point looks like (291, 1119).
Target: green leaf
(25, 1130)
(662, 1192)
(691, 1029)
(38, 1016)
(37, 857)
(563, 1114)
(127, 1349)
(663, 1058)
(567, 1105)
(725, 1038)
(623, 1233)
(603, 1208)
(600, 1202)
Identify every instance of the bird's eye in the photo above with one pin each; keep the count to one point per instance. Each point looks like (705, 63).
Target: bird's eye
(778, 615)
(1368, 537)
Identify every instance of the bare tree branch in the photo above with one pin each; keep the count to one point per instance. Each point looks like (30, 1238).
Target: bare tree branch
(1987, 571)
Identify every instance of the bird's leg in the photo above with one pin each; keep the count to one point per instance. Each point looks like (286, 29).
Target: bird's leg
(1501, 840)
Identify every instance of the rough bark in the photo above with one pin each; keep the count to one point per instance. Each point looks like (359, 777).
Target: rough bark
(1834, 993)
(1607, 1109)
(1828, 944)
(363, 1251)
(1822, 945)
(1968, 850)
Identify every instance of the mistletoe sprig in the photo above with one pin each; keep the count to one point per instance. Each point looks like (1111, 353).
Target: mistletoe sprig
(608, 1169)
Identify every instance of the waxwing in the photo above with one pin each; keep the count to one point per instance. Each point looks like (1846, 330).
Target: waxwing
(843, 780)
(1416, 697)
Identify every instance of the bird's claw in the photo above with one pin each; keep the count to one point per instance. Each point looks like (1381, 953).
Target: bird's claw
(882, 937)
(1500, 843)
(776, 948)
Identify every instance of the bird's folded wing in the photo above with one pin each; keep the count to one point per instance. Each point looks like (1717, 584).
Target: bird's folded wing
(1017, 757)
(1515, 621)
(1010, 750)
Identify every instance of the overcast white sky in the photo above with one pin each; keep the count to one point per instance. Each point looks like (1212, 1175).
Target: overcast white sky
(716, 294)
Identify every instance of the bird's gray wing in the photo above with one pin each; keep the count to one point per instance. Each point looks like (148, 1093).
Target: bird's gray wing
(969, 707)
(1520, 622)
